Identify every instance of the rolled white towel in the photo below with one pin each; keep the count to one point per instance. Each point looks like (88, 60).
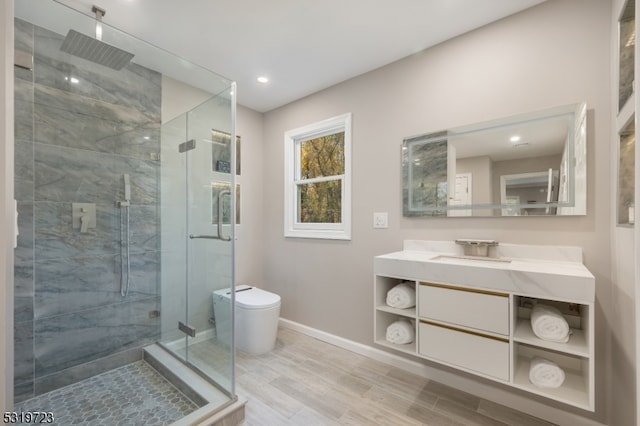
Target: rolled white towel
(401, 332)
(402, 296)
(546, 374)
(548, 324)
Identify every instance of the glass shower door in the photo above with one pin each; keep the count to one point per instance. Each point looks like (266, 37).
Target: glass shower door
(199, 192)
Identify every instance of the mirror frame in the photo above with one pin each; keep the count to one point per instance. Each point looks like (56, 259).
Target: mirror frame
(576, 165)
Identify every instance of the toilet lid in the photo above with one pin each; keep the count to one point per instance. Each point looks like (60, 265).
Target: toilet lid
(254, 298)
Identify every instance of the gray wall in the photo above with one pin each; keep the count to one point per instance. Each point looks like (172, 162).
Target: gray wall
(74, 142)
(553, 54)
(250, 241)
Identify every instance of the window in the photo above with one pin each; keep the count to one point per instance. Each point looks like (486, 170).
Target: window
(318, 180)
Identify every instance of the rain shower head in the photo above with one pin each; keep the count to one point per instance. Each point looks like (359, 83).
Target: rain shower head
(95, 50)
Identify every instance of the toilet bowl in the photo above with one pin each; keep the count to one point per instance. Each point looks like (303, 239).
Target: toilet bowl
(257, 315)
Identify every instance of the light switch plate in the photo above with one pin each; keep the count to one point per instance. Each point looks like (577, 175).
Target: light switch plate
(380, 220)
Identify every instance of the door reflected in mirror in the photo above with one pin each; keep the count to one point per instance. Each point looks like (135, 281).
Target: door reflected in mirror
(530, 164)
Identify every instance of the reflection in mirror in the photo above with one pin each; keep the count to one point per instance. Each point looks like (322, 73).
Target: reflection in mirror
(531, 164)
(535, 188)
(626, 54)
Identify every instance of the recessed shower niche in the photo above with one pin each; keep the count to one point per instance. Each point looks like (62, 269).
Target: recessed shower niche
(626, 174)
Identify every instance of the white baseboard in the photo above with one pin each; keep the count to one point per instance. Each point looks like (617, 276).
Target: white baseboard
(495, 394)
(368, 351)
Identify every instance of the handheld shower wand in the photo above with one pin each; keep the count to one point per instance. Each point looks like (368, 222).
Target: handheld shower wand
(125, 238)
(127, 188)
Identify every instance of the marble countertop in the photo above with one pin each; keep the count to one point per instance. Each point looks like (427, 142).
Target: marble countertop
(537, 271)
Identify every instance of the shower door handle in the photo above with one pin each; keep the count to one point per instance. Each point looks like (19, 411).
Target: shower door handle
(221, 194)
(220, 211)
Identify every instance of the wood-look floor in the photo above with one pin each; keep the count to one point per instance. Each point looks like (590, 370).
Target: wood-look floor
(305, 381)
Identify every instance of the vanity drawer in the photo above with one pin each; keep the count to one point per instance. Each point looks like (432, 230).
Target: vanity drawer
(486, 355)
(482, 310)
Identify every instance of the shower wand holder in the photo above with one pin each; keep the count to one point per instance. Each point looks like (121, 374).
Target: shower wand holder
(124, 203)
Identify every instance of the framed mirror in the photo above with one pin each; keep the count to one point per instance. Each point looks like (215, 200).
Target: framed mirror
(526, 165)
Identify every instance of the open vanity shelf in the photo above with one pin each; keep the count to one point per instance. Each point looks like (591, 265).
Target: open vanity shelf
(477, 322)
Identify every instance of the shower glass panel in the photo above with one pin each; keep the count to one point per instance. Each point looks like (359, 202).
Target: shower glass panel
(196, 244)
(98, 149)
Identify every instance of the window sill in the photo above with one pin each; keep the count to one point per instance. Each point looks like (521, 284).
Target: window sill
(317, 234)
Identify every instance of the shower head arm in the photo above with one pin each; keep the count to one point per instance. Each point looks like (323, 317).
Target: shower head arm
(100, 12)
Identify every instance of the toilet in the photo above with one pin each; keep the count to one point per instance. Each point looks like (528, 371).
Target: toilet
(257, 315)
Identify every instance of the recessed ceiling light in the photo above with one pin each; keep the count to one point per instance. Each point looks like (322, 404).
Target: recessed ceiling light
(515, 138)
(263, 80)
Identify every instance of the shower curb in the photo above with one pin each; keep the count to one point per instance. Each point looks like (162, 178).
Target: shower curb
(215, 407)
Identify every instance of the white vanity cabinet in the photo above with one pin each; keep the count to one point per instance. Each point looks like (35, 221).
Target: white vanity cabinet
(478, 319)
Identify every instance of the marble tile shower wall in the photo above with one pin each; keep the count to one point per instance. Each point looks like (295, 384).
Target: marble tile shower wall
(74, 142)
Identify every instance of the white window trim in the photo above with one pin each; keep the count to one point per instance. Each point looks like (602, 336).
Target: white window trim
(292, 228)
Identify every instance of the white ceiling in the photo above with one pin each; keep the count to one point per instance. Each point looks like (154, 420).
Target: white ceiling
(303, 46)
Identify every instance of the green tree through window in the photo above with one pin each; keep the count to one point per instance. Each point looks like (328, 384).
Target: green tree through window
(321, 157)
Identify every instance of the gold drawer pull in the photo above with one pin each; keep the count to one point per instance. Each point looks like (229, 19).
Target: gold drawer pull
(474, 333)
(468, 290)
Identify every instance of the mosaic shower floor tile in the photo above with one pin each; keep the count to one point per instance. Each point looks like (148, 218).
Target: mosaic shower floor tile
(132, 395)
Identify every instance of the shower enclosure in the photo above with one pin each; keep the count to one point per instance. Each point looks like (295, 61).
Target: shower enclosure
(125, 180)
(196, 236)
